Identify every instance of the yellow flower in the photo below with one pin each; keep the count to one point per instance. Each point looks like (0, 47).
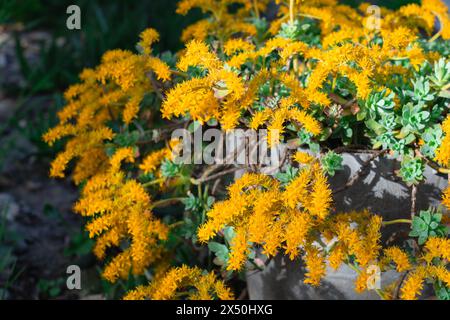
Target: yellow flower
(413, 284)
(198, 31)
(259, 118)
(239, 250)
(148, 37)
(296, 232)
(437, 248)
(361, 281)
(152, 161)
(399, 257)
(296, 191)
(303, 157)
(171, 284)
(315, 265)
(443, 152)
(320, 197)
(234, 45)
(120, 209)
(446, 198)
(160, 68)
(197, 54)
(337, 256)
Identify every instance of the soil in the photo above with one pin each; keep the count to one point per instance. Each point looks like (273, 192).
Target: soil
(37, 225)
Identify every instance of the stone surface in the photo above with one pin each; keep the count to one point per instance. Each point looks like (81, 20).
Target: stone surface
(282, 279)
(379, 190)
(8, 207)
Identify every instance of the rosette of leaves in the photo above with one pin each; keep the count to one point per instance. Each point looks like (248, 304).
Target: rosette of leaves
(378, 103)
(388, 141)
(306, 138)
(414, 118)
(331, 162)
(441, 73)
(411, 170)
(426, 225)
(422, 90)
(431, 138)
(287, 176)
(305, 30)
(170, 169)
(388, 121)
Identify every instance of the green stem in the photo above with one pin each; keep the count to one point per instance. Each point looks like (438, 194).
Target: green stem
(166, 202)
(150, 183)
(179, 73)
(176, 224)
(255, 5)
(438, 34)
(387, 223)
(291, 11)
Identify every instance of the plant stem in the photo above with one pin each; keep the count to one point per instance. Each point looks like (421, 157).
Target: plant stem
(155, 86)
(387, 223)
(291, 11)
(166, 202)
(441, 25)
(179, 73)
(291, 22)
(176, 224)
(214, 176)
(255, 6)
(413, 200)
(150, 183)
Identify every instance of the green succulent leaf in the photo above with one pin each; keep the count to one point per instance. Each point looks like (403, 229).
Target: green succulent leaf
(331, 162)
(170, 169)
(411, 170)
(427, 225)
(288, 175)
(221, 252)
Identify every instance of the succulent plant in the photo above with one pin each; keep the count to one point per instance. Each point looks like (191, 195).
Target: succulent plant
(411, 170)
(427, 224)
(331, 162)
(414, 117)
(432, 138)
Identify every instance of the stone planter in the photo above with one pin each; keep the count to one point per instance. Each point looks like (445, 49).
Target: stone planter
(378, 190)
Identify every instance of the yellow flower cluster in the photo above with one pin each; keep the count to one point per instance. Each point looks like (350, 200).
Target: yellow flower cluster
(183, 282)
(226, 94)
(443, 152)
(333, 15)
(264, 214)
(399, 257)
(221, 24)
(112, 91)
(120, 210)
(413, 285)
(220, 94)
